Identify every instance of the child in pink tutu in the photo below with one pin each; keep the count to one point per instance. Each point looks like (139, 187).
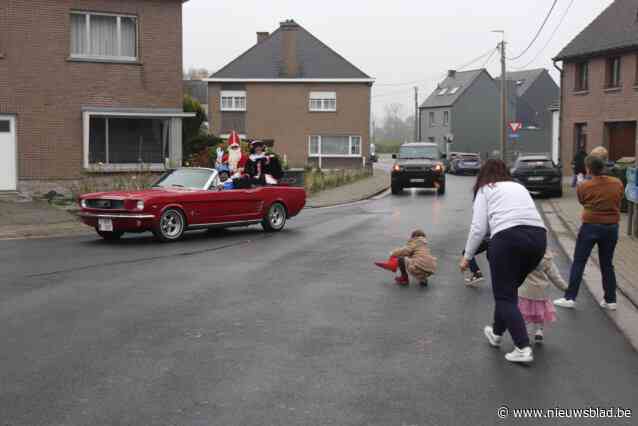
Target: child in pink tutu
(533, 300)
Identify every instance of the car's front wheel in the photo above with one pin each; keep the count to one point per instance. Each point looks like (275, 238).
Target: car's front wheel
(171, 227)
(110, 236)
(275, 218)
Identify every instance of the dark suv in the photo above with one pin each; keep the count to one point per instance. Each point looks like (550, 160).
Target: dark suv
(418, 165)
(538, 173)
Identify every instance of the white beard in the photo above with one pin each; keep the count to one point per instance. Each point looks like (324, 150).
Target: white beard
(234, 155)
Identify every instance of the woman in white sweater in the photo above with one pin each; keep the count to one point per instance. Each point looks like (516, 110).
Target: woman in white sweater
(505, 209)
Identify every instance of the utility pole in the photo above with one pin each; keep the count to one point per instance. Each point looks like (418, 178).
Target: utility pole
(503, 120)
(416, 114)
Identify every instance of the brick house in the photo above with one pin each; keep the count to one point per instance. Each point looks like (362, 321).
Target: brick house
(599, 85)
(88, 86)
(293, 89)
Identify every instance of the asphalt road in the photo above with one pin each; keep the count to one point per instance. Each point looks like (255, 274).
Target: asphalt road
(296, 328)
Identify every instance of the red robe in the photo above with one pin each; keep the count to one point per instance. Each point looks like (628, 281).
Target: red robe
(240, 165)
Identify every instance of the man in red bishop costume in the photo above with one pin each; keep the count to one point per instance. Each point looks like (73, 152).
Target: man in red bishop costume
(234, 158)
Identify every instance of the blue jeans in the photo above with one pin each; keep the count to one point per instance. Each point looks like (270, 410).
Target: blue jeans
(606, 237)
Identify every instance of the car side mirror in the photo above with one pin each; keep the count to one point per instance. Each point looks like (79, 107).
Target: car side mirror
(394, 156)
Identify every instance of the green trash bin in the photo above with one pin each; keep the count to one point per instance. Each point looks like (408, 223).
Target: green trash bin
(620, 171)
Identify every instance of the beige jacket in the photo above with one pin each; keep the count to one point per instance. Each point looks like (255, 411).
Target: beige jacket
(537, 281)
(419, 261)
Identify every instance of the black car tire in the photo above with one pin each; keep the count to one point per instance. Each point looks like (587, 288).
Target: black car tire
(441, 189)
(396, 189)
(171, 227)
(275, 218)
(110, 236)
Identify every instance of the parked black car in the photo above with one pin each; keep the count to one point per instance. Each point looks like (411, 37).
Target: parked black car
(538, 173)
(418, 165)
(466, 164)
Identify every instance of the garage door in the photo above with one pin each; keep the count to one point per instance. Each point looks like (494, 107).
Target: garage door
(8, 178)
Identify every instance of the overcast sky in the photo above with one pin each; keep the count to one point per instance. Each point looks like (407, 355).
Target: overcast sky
(395, 41)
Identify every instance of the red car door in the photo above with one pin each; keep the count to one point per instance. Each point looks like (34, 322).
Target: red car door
(235, 205)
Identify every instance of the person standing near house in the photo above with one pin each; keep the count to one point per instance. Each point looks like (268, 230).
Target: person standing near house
(600, 197)
(579, 167)
(518, 243)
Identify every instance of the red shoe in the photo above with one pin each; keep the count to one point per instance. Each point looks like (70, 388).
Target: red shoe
(402, 280)
(392, 264)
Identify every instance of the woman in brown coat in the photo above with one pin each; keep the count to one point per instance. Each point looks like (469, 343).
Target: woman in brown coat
(415, 259)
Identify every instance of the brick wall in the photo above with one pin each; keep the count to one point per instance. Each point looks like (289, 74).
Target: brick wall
(46, 90)
(279, 111)
(597, 105)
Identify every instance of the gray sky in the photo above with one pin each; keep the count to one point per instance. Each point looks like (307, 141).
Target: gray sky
(394, 41)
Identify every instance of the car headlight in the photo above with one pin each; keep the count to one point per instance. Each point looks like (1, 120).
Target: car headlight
(438, 168)
(83, 204)
(139, 205)
(396, 168)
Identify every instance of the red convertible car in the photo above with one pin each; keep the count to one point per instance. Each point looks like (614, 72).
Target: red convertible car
(186, 199)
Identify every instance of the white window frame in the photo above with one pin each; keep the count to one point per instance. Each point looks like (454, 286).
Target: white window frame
(349, 155)
(325, 99)
(119, 57)
(442, 91)
(235, 96)
(446, 118)
(432, 118)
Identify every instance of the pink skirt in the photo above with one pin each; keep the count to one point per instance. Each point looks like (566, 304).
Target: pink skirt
(537, 311)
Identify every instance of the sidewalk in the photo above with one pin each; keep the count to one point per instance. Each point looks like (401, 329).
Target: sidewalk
(357, 191)
(626, 256)
(36, 219)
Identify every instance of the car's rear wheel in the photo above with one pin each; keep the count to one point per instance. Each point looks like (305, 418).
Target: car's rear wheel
(110, 236)
(396, 188)
(275, 218)
(172, 225)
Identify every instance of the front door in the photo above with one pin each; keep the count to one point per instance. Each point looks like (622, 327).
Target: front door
(8, 171)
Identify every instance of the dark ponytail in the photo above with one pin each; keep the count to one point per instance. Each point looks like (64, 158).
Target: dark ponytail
(491, 172)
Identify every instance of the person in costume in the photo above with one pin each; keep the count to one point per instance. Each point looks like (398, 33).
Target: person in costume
(234, 158)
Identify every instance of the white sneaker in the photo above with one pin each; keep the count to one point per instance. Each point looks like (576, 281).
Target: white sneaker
(564, 303)
(494, 339)
(520, 355)
(608, 306)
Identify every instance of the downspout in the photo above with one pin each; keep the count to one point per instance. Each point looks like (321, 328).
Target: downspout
(560, 114)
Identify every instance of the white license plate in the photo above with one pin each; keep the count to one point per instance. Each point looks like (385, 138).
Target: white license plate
(417, 180)
(105, 225)
(536, 178)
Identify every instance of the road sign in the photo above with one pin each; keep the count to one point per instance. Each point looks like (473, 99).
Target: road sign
(514, 136)
(515, 126)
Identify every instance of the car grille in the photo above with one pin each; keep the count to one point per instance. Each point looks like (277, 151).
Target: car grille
(416, 168)
(105, 204)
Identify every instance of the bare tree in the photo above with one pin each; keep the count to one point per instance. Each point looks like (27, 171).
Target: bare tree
(196, 74)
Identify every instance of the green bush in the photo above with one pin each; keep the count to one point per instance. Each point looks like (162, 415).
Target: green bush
(318, 180)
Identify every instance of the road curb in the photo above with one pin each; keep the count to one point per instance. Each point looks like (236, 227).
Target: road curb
(626, 317)
(351, 201)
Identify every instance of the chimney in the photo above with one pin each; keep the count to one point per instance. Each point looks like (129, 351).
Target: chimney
(451, 73)
(290, 66)
(261, 36)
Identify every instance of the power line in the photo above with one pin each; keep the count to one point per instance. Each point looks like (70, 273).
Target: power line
(489, 58)
(538, 33)
(551, 37)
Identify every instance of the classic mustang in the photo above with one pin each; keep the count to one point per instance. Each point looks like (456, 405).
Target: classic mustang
(189, 198)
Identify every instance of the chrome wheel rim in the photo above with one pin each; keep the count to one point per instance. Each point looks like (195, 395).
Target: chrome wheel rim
(171, 224)
(277, 216)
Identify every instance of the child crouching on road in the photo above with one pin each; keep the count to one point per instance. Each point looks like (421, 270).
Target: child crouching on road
(533, 300)
(413, 259)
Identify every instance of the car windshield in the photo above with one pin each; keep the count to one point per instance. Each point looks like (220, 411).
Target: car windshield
(407, 152)
(538, 162)
(185, 178)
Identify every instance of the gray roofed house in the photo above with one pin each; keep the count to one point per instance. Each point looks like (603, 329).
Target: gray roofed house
(615, 29)
(451, 89)
(265, 60)
(523, 80)
(293, 89)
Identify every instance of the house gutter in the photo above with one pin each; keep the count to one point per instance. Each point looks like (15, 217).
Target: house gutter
(560, 111)
(289, 80)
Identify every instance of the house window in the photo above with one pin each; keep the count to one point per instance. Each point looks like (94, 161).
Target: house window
(443, 91)
(115, 140)
(334, 146)
(103, 36)
(446, 118)
(322, 101)
(582, 76)
(233, 100)
(580, 137)
(431, 118)
(613, 72)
